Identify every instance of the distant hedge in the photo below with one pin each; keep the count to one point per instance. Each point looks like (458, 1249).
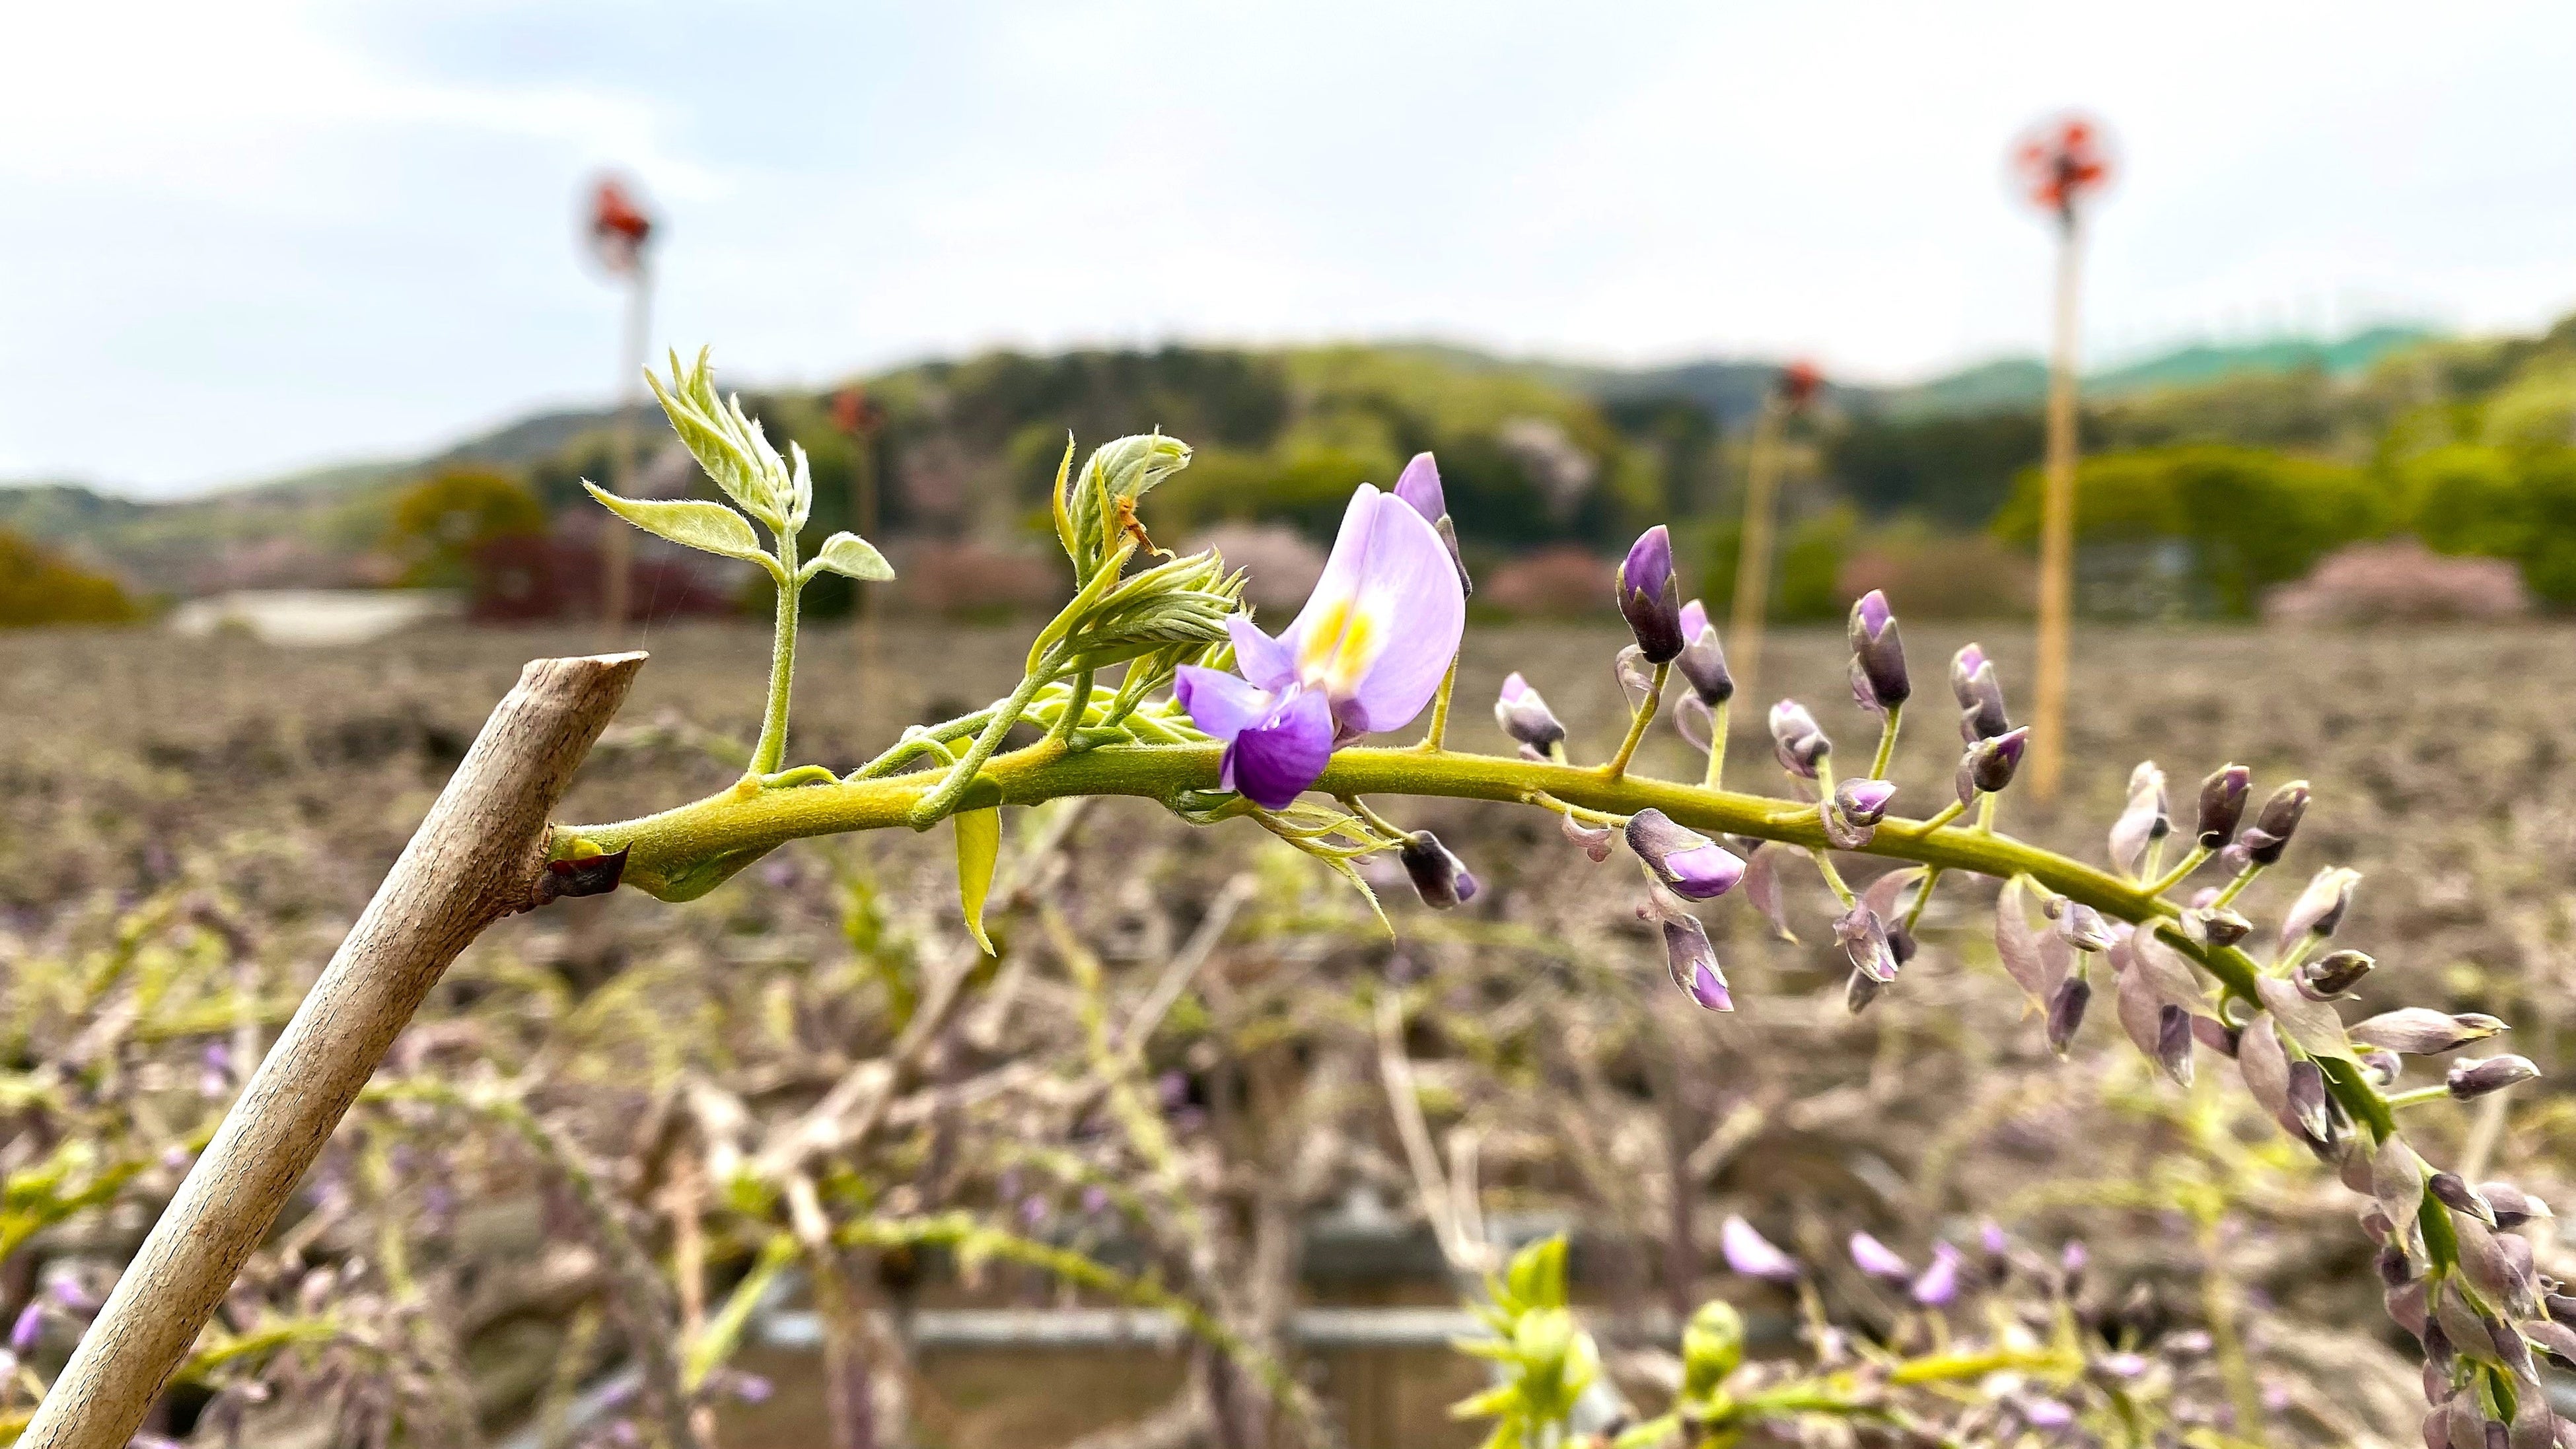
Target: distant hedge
(39, 586)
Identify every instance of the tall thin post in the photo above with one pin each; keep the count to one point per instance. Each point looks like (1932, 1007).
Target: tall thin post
(618, 557)
(2057, 531)
(476, 858)
(855, 414)
(1745, 620)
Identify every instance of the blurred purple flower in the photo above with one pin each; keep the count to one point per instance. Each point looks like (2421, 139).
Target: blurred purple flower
(29, 1327)
(1751, 1254)
(1366, 654)
(1939, 1284)
(1877, 1259)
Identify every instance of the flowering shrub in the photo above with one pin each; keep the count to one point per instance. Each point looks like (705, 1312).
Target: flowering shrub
(2400, 580)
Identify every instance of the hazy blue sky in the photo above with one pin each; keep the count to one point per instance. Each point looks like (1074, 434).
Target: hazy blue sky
(244, 237)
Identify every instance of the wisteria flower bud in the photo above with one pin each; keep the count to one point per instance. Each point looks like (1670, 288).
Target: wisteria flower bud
(1439, 877)
(2476, 1078)
(2382, 1068)
(1419, 485)
(1863, 937)
(1692, 865)
(1595, 839)
(1859, 991)
(2333, 974)
(1524, 715)
(2456, 1194)
(2222, 805)
(1703, 658)
(2066, 1012)
(1796, 740)
(1649, 599)
(1990, 764)
(2320, 907)
(2278, 820)
(1980, 695)
(1939, 1285)
(1878, 656)
(2217, 925)
(2173, 1043)
(2513, 1207)
(2084, 928)
(1751, 1254)
(2308, 1100)
(1694, 962)
(2420, 1031)
(1878, 1260)
(1851, 817)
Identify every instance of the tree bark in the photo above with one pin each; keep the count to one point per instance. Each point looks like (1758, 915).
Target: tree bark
(480, 855)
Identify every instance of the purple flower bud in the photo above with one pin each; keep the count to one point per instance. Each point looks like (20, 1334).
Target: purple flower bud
(1989, 764)
(1694, 962)
(753, 1388)
(2066, 1012)
(2217, 925)
(1863, 938)
(1878, 1260)
(1796, 740)
(1990, 1236)
(1703, 658)
(2047, 1413)
(29, 1327)
(2084, 928)
(2072, 1260)
(2320, 907)
(1751, 1254)
(1859, 991)
(1595, 839)
(1864, 802)
(2477, 1077)
(1648, 597)
(2382, 1068)
(1692, 865)
(1524, 715)
(1939, 1284)
(1419, 485)
(2308, 1101)
(2222, 804)
(1438, 876)
(2458, 1196)
(1980, 695)
(2420, 1031)
(2513, 1207)
(2173, 1043)
(2278, 820)
(2333, 974)
(1878, 656)
(1095, 1200)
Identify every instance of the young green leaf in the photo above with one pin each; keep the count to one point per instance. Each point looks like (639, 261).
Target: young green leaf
(850, 556)
(979, 845)
(689, 522)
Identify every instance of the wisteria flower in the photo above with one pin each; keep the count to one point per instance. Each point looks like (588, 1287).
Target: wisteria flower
(1366, 654)
(1751, 1254)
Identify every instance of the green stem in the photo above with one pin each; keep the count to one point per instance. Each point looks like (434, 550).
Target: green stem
(1715, 779)
(1437, 737)
(1074, 705)
(2236, 887)
(951, 791)
(2419, 1097)
(1922, 897)
(1886, 742)
(1948, 813)
(1645, 716)
(667, 847)
(1833, 877)
(782, 664)
(2175, 876)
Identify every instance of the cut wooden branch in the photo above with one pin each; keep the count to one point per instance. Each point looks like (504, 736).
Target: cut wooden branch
(479, 856)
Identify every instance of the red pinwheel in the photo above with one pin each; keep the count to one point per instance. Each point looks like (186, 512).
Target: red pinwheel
(1799, 382)
(2061, 162)
(618, 226)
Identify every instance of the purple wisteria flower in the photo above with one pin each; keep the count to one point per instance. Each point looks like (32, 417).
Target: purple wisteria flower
(1694, 961)
(1751, 1254)
(1650, 599)
(1366, 654)
(1878, 675)
(1703, 659)
(1692, 865)
(1419, 485)
(1939, 1285)
(1523, 714)
(1878, 1260)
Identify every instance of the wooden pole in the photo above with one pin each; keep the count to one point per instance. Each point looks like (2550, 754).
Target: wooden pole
(475, 859)
(2057, 533)
(1753, 560)
(617, 556)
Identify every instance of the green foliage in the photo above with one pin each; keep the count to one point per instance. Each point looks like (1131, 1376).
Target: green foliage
(440, 521)
(2252, 519)
(1956, 469)
(38, 586)
(1808, 577)
(1543, 1360)
(2517, 504)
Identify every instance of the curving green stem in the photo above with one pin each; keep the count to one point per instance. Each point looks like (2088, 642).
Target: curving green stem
(1645, 716)
(782, 663)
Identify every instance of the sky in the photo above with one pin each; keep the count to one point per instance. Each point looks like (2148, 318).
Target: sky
(242, 239)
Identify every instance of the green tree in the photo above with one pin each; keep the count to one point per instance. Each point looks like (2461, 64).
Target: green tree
(38, 586)
(2509, 503)
(440, 521)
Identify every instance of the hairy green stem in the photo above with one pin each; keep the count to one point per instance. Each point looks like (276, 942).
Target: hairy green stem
(1715, 779)
(1644, 716)
(950, 793)
(1437, 737)
(1886, 741)
(2174, 877)
(782, 663)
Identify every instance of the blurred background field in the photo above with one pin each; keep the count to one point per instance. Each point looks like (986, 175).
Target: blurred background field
(159, 789)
